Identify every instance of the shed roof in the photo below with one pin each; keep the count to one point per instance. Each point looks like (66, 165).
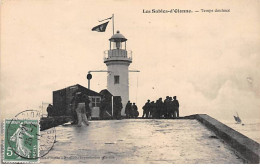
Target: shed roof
(82, 89)
(105, 92)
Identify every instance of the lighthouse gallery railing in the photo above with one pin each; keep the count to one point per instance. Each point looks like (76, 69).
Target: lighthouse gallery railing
(118, 53)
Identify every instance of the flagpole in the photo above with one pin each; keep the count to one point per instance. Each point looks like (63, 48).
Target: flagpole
(113, 23)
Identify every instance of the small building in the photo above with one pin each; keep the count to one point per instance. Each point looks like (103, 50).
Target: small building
(106, 104)
(106, 93)
(109, 105)
(63, 105)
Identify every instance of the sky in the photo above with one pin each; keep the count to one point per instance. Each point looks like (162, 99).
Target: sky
(210, 61)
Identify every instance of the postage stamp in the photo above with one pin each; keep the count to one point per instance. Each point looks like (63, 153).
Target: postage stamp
(24, 142)
(21, 141)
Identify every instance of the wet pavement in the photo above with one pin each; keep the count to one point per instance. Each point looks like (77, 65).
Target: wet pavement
(139, 141)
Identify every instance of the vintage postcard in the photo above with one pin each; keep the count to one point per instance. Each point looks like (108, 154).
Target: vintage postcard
(130, 82)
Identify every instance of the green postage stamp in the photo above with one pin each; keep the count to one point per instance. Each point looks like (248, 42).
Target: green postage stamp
(21, 141)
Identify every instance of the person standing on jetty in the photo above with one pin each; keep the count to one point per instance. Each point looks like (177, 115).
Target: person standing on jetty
(159, 108)
(88, 106)
(131, 115)
(50, 110)
(176, 106)
(80, 101)
(167, 107)
(128, 109)
(135, 111)
(171, 108)
(146, 109)
(153, 109)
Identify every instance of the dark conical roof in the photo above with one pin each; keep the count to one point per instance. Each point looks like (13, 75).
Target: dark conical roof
(105, 92)
(118, 37)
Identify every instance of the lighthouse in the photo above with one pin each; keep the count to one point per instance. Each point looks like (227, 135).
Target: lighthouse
(117, 60)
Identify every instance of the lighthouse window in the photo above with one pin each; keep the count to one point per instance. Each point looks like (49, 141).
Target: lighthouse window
(117, 45)
(116, 79)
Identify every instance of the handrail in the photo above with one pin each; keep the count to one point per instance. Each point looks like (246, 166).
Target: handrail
(117, 53)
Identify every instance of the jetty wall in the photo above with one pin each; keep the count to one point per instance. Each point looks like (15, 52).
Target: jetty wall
(50, 122)
(244, 146)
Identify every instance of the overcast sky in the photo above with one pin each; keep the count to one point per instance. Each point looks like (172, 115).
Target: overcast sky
(210, 61)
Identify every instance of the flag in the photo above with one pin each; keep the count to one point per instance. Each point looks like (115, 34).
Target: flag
(101, 27)
(106, 19)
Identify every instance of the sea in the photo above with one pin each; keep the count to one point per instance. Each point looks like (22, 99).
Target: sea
(249, 128)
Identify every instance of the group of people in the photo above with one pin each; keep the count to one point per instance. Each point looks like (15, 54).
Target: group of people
(131, 110)
(169, 108)
(80, 105)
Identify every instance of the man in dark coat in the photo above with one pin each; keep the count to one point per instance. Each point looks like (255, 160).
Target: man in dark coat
(153, 109)
(146, 109)
(159, 108)
(135, 111)
(128, 109)
(167, 107)
(73, 105)
(87, 103)
(176, 106)
(171, 108)
(131, 113)
(50, 110)
(103, 108)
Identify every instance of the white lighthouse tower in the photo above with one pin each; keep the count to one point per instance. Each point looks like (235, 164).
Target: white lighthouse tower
(118, 59)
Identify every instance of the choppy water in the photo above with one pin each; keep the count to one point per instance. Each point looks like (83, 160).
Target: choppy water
(249, 129)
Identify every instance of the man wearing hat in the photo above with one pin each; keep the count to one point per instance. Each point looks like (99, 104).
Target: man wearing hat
(135, 111)
(167, 107)
(146, 109)
(176, 106)
(128, 109)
